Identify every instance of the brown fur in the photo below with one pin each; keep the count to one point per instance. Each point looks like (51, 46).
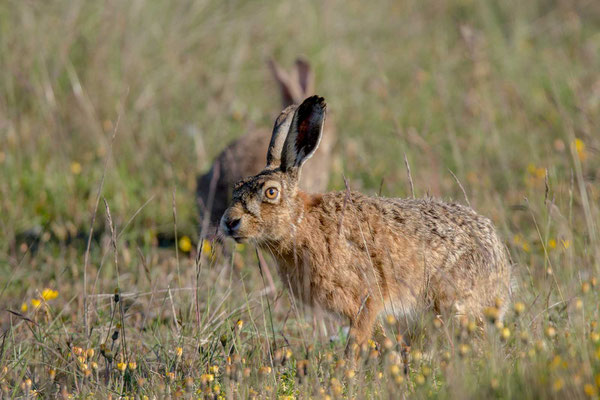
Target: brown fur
(359, 256)
(245, 156)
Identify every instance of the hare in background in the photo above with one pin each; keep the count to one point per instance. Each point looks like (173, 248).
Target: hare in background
(245, 156)
(359, 256)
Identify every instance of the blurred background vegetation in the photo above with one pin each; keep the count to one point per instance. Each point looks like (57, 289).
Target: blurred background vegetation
(505, 95)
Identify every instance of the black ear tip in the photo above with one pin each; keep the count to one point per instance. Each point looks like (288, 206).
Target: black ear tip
(315, 101)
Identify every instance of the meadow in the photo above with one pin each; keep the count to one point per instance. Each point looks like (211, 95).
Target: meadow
(109, 110)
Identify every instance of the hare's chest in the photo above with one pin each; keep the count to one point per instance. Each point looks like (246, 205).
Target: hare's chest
(305, 280)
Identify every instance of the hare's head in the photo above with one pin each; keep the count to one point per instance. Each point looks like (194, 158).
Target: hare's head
(266, 207)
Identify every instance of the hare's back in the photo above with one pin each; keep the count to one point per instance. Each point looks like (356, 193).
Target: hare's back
(442, 232)
(449, 228)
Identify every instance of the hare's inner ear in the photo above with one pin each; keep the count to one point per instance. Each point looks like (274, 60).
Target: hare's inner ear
(304, 134)
(280, 132)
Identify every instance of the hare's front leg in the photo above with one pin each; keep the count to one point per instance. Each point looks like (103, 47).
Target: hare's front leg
(362, 324)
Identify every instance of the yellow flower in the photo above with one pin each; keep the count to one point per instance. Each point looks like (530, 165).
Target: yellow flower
(179, 352)
(492, 313)
(525, 247)
(464, 349)
(264, 370)
(206, 247)
(536, 172)
(24, 308)
(207, 378)
(519, 308)
(556, 361)
(566, 243)
(417, 355)
(579, 146)
(35, 303)
(558, 384)
(518, 239)
(49, 294)
(551, 244)
(185, 244)
(498, 302)
(122, 366)
(585, 287)
(505, 334)
(75, 168)
(589, 389)
(214, 369)
(132, 365)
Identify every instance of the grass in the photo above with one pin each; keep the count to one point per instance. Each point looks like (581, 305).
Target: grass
(504, 95)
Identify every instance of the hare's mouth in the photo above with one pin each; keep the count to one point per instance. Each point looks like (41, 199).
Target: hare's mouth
(239, 239)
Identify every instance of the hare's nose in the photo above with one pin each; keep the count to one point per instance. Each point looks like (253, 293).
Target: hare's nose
(233, 224)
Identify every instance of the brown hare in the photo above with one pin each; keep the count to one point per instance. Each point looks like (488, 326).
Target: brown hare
(356, 255)
(245, 156)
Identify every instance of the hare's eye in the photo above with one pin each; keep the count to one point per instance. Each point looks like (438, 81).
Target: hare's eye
(272, 193)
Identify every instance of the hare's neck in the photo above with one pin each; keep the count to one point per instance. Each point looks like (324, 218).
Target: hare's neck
(306, 202)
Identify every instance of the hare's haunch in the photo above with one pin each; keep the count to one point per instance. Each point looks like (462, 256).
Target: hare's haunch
(356, 255)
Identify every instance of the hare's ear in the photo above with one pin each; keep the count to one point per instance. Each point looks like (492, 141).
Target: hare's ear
(305, 133)
(291, 92)
(280, 132)
(306, 78)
